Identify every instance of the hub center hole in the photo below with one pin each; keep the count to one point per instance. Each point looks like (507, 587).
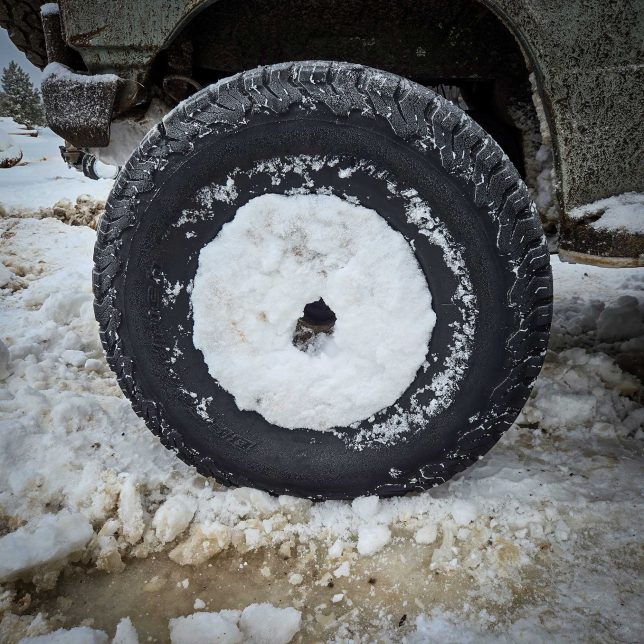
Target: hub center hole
(318, 320)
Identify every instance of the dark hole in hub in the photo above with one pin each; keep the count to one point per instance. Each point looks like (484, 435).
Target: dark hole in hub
(317, 318)
(319, 313)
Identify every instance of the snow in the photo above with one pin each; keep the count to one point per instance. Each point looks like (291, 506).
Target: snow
(63, 72)
(173, 517)
(371, 539)
(253, 281)
(444, 383)
(266, 624)
(366, 507)
(49, 8)
(10, 152)
(125, 633)
(621, 321)
(126, 134)
(42, 178)
(545, 529)
(623, 212)
(256, 624)
(79, 635)
(206, 628)
(45, 539)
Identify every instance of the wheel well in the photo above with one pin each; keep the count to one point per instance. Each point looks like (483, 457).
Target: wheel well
(461, 48)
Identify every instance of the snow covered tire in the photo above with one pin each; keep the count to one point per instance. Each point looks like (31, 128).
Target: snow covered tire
(422, 164)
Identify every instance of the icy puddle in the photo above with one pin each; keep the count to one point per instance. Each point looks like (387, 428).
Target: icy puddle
(380, 598)
(540, 541)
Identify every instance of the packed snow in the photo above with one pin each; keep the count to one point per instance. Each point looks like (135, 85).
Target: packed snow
(42, 178)
(45, 539)
(540, 540)
(623, 212)
(254, 279)
(257, 623)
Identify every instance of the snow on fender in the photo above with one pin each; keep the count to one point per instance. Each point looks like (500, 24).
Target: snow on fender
(48, 539)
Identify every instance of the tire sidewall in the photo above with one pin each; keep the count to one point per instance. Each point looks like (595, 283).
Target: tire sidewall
(241, 446)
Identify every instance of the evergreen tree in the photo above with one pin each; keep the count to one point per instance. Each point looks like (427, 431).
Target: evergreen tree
(19, 99)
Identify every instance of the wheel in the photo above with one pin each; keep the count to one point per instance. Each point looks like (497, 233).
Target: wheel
(21, 18)
(380, 207)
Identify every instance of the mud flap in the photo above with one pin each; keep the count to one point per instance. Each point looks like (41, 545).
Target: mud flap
(79, 106)
(581, 243)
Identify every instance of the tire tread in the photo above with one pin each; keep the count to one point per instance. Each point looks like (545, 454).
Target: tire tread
(420, 117)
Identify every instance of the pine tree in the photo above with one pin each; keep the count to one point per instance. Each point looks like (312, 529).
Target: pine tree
(19, 99)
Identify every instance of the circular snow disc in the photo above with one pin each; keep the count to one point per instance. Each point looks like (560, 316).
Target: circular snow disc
(280, 253)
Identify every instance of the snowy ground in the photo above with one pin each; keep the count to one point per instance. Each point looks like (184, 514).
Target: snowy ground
(540, 541)
(42, 165)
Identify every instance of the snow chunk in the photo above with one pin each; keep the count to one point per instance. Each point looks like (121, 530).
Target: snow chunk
(366, 507)
(623, 212)
(621, 320)
(258, 623)
(4, 360)
(125, 633)
(254, 279)
(343, 570)
(49, 8)
(131, 511)
(173, 517)
(204, 542)
(10, 152)
(47, 539)
(427, 534)
(371, 539)
(266, 624)
(201, 628)
(79, 635)
(5, 275)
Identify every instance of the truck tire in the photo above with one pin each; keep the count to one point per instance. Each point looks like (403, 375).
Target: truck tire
(21, 18)
(367, 137)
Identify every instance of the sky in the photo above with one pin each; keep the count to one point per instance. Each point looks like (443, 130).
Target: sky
(9, 52)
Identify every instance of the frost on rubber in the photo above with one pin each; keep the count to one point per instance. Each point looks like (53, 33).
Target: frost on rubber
(420, 118)
(21, 18)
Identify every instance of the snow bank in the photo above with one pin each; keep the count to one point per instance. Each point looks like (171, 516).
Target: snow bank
(622, 212)
(277, 255)
(257, 624)
(46, 539)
